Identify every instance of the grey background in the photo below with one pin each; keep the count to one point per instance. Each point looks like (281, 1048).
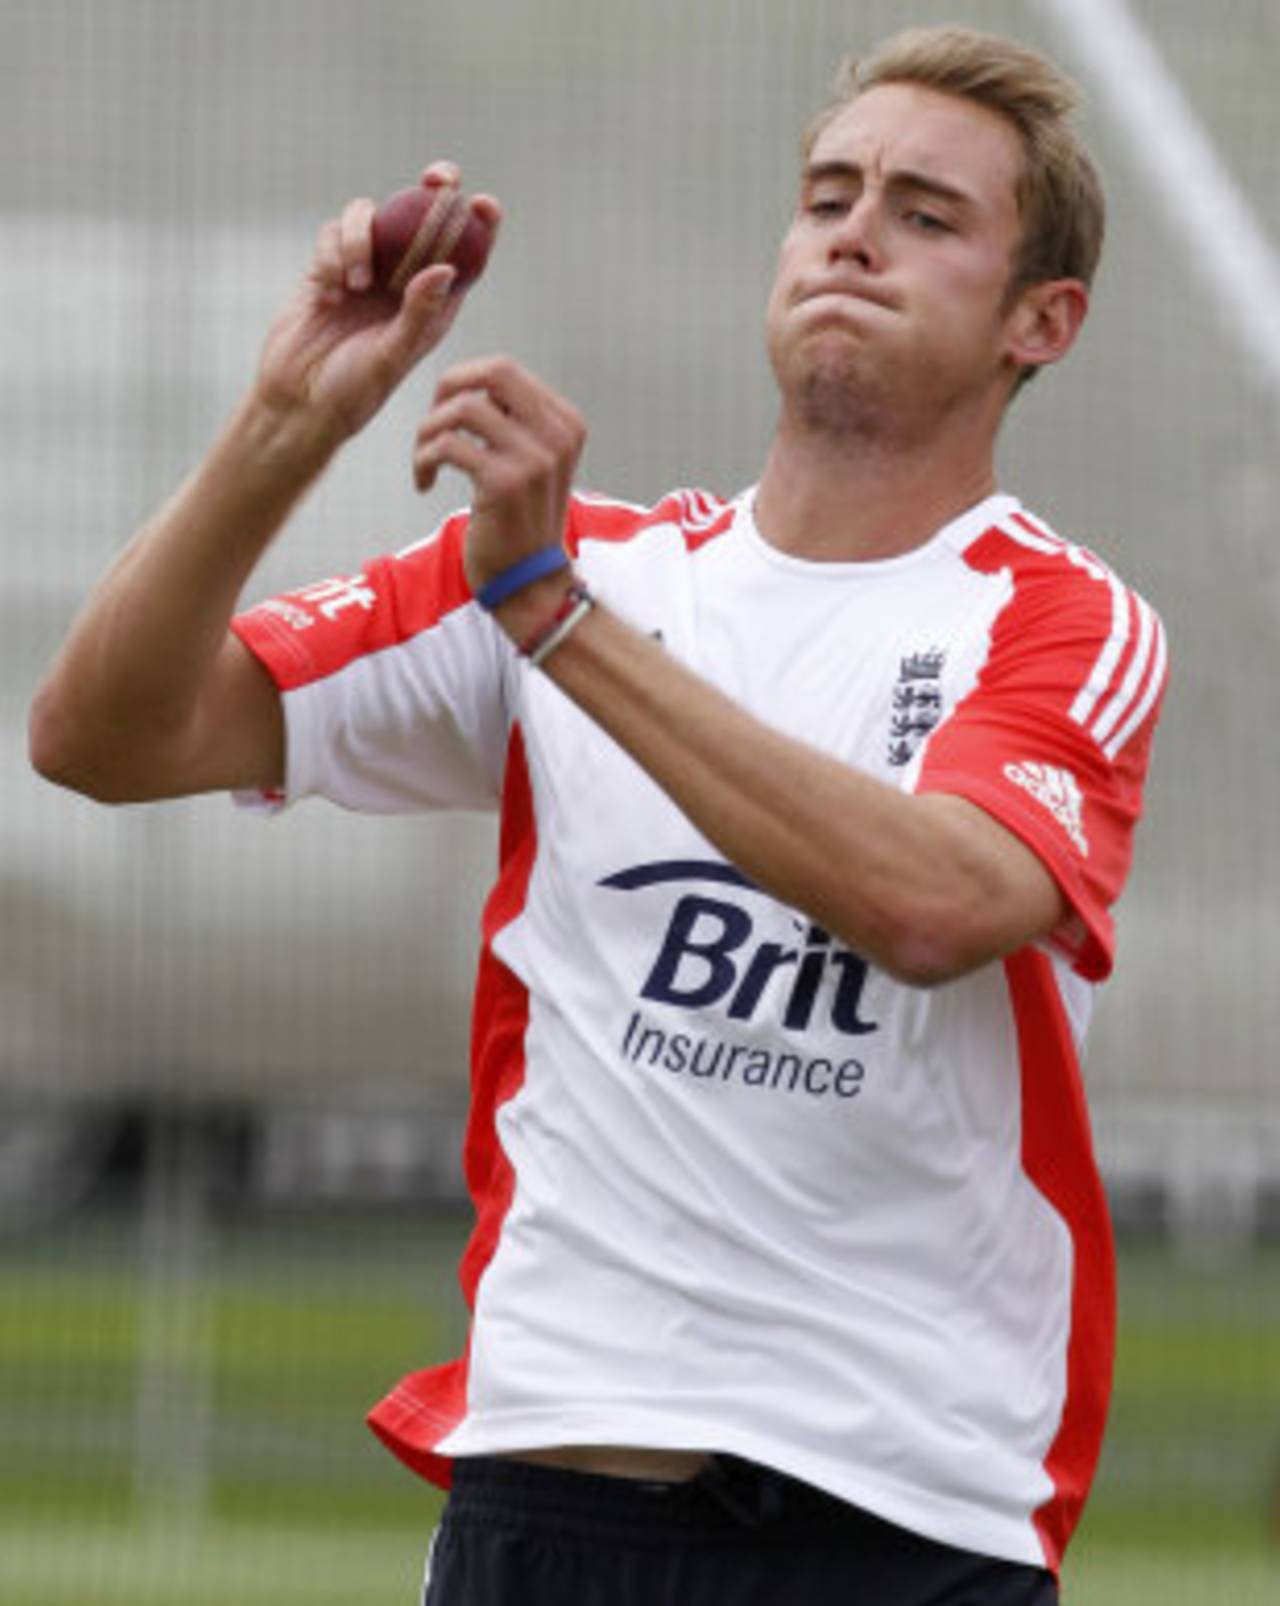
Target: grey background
(169, 163)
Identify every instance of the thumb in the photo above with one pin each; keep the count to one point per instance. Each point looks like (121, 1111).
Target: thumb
(426, 313)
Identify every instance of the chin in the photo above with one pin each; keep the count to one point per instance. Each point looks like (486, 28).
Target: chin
(838, 393)
(835, 408)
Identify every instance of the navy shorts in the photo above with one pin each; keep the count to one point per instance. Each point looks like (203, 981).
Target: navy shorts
(736, 1535)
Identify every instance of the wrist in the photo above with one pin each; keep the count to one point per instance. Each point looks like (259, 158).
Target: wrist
(284, 435)
(524, 614)
(576, 603)
(524, 572)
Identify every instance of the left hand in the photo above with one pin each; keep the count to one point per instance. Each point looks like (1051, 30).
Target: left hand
(518, 441)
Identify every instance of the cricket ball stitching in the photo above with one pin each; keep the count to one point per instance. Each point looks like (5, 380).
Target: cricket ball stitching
(422, 248)
(452, 229)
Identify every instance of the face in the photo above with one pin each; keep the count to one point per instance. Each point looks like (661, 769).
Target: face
(891, 295)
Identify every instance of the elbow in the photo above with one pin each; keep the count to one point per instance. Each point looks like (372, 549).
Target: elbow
(968, 894)
(921, 961)
(929, 947)
(47, 739)
(924, 962)
(59, 752)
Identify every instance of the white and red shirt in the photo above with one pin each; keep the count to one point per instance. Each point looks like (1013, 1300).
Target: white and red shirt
(735, 1188)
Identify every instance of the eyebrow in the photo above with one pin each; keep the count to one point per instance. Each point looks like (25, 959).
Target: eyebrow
(903, 178)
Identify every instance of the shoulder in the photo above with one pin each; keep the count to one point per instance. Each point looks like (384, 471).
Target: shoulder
(1044, 565)
(1071, 622)
(687, 516)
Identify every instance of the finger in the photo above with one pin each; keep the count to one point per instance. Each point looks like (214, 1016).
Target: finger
(476, 414)
(549, 427)
(489, 209)
(326, 262)
(442, 171)
(355, 238)
(479, 416)
(499, 376)
(453, 449)
(514, 388)
(504, 446)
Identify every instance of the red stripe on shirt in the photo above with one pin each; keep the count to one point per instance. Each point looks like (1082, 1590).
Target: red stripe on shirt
(699, 515)
(308, 634)
(1057, 1156)
(424, 1407)
(1044, 582)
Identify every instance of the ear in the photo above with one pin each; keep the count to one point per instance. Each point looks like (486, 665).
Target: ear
(1044, 321)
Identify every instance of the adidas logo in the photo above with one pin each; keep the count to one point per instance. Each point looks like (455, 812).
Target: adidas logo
(1056, 790)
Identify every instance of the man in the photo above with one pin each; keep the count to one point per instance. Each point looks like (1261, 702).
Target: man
(791, 1277)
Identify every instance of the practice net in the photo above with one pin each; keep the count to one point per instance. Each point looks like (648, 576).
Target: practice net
(232, 1051)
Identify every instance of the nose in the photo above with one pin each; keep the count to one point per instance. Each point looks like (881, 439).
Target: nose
(857, 237)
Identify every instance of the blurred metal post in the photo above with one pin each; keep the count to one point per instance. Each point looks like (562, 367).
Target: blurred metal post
(173, 1407)
(1223, 238)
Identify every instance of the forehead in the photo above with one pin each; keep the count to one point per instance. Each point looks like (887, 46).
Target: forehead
(906, 128)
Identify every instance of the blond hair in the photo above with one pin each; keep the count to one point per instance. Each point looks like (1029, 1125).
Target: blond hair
(1059, 194)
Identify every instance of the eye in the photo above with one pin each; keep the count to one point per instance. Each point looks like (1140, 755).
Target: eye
(927, 222)
(825, 207)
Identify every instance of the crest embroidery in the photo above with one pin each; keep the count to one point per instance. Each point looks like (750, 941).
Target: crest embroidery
(917, 703)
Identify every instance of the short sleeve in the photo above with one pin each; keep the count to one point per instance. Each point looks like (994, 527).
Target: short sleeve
(1054, 737)
(392, 683)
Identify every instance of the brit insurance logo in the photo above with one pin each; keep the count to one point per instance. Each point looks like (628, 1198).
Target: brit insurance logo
(324, 600)
(724, 1000)
(917, 703)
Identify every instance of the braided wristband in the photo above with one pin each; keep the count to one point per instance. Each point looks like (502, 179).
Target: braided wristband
(546, 560)
(576, 605)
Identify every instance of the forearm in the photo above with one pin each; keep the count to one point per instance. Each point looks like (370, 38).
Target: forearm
(924, 887)
(127, 686)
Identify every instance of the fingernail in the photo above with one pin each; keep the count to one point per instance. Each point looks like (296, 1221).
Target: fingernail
(359, 276)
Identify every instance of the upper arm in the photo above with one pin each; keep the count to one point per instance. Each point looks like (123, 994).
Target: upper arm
(233, 736)
(1008, 898)
(1052, 744)
(390, 684)
(237, 740)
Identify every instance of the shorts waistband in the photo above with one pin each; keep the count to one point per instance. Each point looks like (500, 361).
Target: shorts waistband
(729, 1499)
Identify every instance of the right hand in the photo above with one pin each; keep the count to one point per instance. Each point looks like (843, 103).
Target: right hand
(340, 348)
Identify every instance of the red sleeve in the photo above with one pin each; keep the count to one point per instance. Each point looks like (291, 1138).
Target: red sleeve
(1054, 737)
(392, 683)
(305, 635)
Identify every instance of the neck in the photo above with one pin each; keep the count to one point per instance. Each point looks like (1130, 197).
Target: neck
(860, 499)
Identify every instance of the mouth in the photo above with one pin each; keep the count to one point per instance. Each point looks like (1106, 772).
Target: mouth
(846, 293)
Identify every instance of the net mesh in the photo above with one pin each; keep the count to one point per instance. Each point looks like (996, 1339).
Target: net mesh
(279, 1010)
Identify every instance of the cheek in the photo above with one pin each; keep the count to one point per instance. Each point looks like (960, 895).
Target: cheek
(776, 305)
(972, 295)
(784, 270)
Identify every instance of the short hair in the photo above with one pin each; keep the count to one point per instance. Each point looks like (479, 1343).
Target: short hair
(1059, 194)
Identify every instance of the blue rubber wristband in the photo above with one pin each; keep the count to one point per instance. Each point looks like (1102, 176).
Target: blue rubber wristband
(545, 561)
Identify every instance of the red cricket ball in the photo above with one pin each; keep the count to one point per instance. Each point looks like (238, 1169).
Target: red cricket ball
(432, 222)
